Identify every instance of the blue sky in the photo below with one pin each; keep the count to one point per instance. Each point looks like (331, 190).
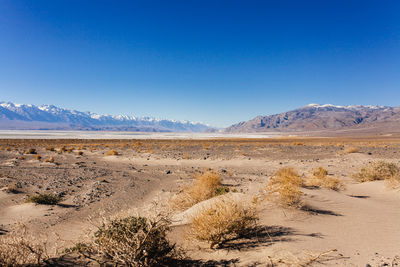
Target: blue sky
(219, 62)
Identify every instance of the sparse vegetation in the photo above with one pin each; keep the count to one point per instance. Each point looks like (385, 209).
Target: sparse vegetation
(49, 160)
(13, 188)
(80, 153)
(131, 241)
(44, 199)
(112, 153)
(351, 149)
(286, 185)
(380, 170)
(91, 182)
(205, 186)
(320, 173)
(30, 151)
(21, 249)
(320, 178)
(37, 157)
(224, 219)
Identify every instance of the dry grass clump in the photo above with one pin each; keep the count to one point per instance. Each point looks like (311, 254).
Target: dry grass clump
(298, 143)
(206, 146)
(44, 199)
(80, 153)
(50, 148)
(205, 186)
(62, 149)
(380, 170)
(30, 151)
(131, 241)
(21, 249)
(37, 157)
(186, 156)
(50, 160)
(320, 178)
(320, 172)
(81, 147)
(286, 185)
(112, 153)
(351, 149)
(223, 220)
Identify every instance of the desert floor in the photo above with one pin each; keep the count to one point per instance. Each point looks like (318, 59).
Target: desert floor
(356, 226)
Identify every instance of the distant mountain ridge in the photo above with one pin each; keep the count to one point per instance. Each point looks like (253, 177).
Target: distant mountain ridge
(316, 117)
(49, 117)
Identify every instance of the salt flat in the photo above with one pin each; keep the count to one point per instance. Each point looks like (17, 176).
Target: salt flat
(44, 134)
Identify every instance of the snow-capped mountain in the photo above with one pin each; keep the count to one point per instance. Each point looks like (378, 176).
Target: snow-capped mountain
(315, 117)
(49, 117)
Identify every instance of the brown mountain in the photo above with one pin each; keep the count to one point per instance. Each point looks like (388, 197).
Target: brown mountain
(315, 117)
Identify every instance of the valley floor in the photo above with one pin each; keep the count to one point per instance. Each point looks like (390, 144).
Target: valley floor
(355, 226)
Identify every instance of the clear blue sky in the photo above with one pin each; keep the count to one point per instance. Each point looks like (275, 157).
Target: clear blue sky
(214, 61)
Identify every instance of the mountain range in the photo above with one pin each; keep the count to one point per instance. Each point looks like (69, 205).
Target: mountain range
(49, 117)
(316, 117)
(310, 118)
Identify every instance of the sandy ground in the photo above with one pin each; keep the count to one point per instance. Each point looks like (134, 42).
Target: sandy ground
(358, 225)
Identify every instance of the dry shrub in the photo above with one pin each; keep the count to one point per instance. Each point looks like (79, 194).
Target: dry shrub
(164, 147)
(30, 151)
(50, 160)
(37, 157)
(351, 149)
(286, 185)
(320, 178)
(8, 149)
(21, 158)
(224, 219)
(18, 248)
(298, 144)
(333, 183)
(205, 186)
(320, 172)
(380, 170)
(131, 241)
(80, 153)
(50, 148)
(137, 144)
(13, 188)
(186, 156)
(112, 153)
(206, 146)
(44, 199)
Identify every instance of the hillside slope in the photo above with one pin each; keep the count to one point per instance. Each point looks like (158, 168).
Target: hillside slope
(315, 117)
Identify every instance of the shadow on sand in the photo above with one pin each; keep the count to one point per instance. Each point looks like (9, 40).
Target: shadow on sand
(317, 211)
